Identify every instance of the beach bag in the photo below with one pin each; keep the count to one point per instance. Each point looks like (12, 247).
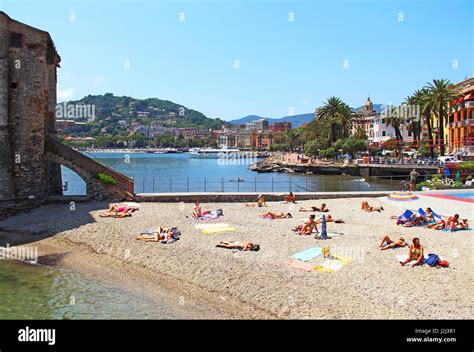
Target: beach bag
(219, 212)
(432, 260)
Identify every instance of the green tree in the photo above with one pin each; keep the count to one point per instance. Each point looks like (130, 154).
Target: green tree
(443, 93)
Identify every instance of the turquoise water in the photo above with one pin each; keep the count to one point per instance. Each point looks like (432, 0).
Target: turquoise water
(181, 173)
(39, 292)
(461, 195)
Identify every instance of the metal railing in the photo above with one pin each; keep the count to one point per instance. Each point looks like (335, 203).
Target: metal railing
(296, 183)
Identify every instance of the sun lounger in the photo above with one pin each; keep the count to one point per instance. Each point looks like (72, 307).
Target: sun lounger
(308, 254)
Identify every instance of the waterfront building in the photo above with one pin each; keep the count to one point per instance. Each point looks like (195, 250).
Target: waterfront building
(284, 126)
(459, 129)
(258, 125)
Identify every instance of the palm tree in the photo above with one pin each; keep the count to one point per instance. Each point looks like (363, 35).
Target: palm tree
(395, 120)
(426, 104)
(443, 94)
(338, 116)
(414, 125)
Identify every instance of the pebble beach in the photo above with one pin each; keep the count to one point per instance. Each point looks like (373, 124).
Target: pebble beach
(260, 284)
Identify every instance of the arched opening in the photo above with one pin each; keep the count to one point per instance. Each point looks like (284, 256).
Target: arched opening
(72, 183)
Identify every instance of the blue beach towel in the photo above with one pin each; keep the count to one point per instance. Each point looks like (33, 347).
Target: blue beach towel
(308, 254)
(436, 215)
(408, 214)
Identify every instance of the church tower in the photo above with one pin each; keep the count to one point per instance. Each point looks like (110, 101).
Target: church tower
(369, 107)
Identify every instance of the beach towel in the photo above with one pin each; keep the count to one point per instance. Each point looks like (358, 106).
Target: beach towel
(408, 214)
(298, 264)
(436, 215)
(403, 257)
(342, 259)
(308, 254)
(449, 230)
(330, 266)
(209, 217)
(209, 226)
(218, 229)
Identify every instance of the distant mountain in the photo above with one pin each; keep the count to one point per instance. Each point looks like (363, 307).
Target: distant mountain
(296, 120)
(249, 118)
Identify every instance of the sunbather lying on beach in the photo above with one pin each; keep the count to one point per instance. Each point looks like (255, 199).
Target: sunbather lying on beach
(460, 226)
(270, 215)
(163, 235)
(329, 218)
(116, 208)
(260, 202)
(440, 225)
(322, 209)
(119, 211)
(451, 222)
(387, 243)
(415, 252)
(307, 228)
(242, 246)
(367, 207)
(290, 198)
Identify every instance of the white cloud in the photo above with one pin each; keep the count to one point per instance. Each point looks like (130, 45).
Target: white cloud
(63, 95)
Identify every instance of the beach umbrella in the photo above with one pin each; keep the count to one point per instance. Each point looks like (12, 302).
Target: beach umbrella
(402, 196)
(324, 234)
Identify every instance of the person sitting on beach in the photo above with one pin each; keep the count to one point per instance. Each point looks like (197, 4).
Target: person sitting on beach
(163, 235)
(367, 207)
(460, 226)
(197, 210)
(242, 246)
(307, 228)
(419, 219)
(387, 243)
(415, 252)
(290, 198)
(321, 209)
(270, 215)
(260, 202)
(453, 222)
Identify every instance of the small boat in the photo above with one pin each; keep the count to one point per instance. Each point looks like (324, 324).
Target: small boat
(210, 153)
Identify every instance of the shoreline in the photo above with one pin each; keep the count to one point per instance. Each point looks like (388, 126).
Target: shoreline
(223, 284)
(169, 291)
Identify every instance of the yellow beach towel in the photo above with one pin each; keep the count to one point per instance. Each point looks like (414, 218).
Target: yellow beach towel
(218, 229)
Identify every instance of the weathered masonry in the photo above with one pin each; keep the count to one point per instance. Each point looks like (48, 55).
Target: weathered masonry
(30, 155)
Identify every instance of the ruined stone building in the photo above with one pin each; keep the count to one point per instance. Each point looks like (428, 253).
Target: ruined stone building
(30, 155)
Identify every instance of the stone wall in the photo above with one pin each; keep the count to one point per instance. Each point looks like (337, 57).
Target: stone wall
(28, 104)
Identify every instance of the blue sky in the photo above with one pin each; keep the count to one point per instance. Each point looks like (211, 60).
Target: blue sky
(284, 65)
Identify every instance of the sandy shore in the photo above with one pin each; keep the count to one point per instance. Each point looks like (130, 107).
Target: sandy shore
(219, 283)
